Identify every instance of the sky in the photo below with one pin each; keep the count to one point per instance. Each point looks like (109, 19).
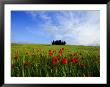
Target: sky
(76, 27)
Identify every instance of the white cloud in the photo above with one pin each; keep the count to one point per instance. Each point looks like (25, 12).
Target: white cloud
(41, 14)
(75, 27)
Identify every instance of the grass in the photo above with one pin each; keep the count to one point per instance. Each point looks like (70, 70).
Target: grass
(33, 60)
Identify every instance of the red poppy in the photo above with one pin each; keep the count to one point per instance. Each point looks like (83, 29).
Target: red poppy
(62, 48)
(54, 59)
(64, 61)
(74, 60)
(54, 63)
(50, 53)
(58, 57)
(60, 51)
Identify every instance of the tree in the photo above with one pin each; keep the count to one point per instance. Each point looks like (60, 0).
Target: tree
(58, 42)
(64, 42)
(53, 42)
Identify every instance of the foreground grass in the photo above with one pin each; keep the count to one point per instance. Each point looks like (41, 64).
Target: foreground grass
(33, 60)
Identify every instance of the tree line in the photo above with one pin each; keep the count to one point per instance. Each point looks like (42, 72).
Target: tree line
(58, 42)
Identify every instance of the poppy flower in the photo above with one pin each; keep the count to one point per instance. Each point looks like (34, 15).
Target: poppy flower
(64, 61)
(54, 59)
(74, 60)
(58, 57)
(50, 53)
(54, 62)
(62, 48)
(60, 51)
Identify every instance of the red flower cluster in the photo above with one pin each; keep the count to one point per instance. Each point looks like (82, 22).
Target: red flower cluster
(55, 59)
(64, 61)
(74, 60)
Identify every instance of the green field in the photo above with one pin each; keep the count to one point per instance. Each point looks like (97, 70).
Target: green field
(38, 60)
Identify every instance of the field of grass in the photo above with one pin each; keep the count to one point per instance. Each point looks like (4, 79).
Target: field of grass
(38, 60)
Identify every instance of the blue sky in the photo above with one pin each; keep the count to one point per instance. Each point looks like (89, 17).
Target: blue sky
(74, 27)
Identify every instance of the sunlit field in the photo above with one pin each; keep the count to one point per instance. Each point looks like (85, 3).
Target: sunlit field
(38, 60)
